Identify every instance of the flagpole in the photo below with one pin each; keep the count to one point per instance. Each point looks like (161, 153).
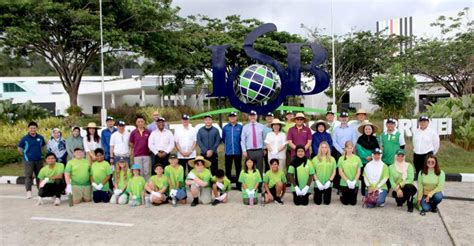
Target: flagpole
(103, 111)
(333, 106)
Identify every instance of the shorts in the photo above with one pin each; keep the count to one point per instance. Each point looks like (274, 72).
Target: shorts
(81, 193)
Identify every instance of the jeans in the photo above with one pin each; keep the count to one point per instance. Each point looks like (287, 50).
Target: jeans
(380, 200)
(30, 168)
(320, 194)
(434, 201)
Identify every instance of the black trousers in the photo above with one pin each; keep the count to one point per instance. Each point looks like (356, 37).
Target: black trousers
(236, 160)
(300, 200)
(320, 195)
(363, 187)
(52, 189)
(163, 161)
(409, 191)
(214, 162)
(337, 178)
(419, 161)
(184, 164)
(100, 196)
(266, 165)
(349, 196)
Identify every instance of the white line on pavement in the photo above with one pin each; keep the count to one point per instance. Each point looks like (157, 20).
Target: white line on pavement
(82, 221)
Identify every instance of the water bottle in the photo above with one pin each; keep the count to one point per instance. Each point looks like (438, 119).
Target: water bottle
(262, 200)
(251, 200)
(147, 202)
(70, 200)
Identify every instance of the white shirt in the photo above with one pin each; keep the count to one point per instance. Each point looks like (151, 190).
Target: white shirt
(185, 138)
(276, 142)
(91, 146)
(425, 141)
(120, 142)
(161, 140)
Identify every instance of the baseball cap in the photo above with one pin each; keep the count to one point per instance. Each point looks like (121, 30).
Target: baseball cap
(269, 114)
(160, 119)
(232, 114)
(135, 166)
(121, 158)
(253, 112)
(377, 151)
(289, 112)
(329, 112)
(424, 118)
(121, 123)
(207, 116)
(173, 156)
(109, 118)
(401, 152)
(391, 120)
(185, 117)
(344, 114)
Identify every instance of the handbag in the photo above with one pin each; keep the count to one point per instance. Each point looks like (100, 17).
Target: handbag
(181, 194)
(371, 199)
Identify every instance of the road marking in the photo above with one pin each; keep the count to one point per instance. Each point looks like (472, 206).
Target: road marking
(83, 221)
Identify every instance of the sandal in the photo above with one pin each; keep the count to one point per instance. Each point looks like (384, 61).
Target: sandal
(422, 212)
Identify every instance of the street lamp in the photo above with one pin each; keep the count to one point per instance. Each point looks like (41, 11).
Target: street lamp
(334, 105)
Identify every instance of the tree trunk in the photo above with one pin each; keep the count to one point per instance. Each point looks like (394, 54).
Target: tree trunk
(73, 97)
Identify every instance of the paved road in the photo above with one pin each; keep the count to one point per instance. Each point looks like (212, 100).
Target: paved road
(231, 223)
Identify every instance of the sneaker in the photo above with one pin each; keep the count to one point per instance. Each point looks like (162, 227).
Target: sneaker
(57, 202)
(410, 210)
(215, 202)
(279, 201)
(434, 209)
(194, 203)
(173, 201)
(28, 195)
(40, 201)
(382, 205)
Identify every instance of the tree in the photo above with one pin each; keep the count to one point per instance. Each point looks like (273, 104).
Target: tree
(358, 55)
(392, 91)
(448, 59)
(66, 33)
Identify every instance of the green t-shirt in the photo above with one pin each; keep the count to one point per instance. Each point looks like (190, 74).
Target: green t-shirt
(272, 178)
(250, 179)
(79, 170)
(175, 175)
(159, 182)
(136, 186)
(225, 182)
(363, 153)
(205, 175)
(324, 169)
(390, 144)
(384, 175)
(99, 171)
(287, 126)
(48, 172)
(349, 168)
(122, 179)
(430, 184)
(396, 177)
(304, 171)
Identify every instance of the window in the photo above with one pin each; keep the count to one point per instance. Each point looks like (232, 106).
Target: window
(12, 87)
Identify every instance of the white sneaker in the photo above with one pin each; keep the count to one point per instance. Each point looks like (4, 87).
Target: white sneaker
(57, 201)
(28, 195)
(40, 201)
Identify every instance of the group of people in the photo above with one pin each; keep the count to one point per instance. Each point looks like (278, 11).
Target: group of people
(311, 159)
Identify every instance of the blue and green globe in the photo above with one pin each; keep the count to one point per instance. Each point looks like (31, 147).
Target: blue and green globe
(258, 84)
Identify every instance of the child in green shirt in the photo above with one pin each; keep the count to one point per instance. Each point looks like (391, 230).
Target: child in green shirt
(100, 175)
(121, 177)
(220, 187)
(157, 186)
(136, 187)
(52, 183)
(349, 166)
(300, 175)
(175, 173)
(77, 176)
(250, 179)
(430, 185)
(274, 181)
(199, 181)
(324, 172)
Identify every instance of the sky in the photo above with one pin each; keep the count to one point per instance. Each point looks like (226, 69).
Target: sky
(347, 15)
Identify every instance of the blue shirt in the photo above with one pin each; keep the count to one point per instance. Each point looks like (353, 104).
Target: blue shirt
(32, 147)
(341, 135)
(105, 140)
(247, 138)
(266, 130)
(231, 138)
(318, 137)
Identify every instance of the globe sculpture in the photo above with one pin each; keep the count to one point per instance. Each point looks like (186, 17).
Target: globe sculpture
(257, 84)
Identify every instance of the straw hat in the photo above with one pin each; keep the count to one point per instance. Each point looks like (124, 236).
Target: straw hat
(315, 124)
(199, 158)
(276, 122)
(91, 125)
(362, 126)
(300, 115)
(361, 111)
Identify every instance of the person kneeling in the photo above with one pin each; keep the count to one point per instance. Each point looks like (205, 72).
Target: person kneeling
(199, 180)
(300, 175)
(100, 175)
(349, 166)
(275, 183)
(324, 172)
(136, 187)
(77, 176)
(52, 183)
(220, 187)
(250, 179)
(175, 173)
(157, 186)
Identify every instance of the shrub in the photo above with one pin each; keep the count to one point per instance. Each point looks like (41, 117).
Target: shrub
(9, 155)
(74, 110)
(169, 113)
(11, 113)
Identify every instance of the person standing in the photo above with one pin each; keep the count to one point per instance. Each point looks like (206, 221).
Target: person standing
(233, 152)
(300, 134)
(57, 146)
(119, 144)
(267, 129)
(320, 134)
(31, 147)
(289, 121)
(73, 142)
(425, 142)
(208, 139)
(361, 117)
(341, 135)
(139, 147)
(91, 142)
(105, 136)
(331, 121)
(401, 179)
(185, 139)
(152, 126)
(161, 143)
(391, 141)
(252, 141)
(366, 144)
(276, 144)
